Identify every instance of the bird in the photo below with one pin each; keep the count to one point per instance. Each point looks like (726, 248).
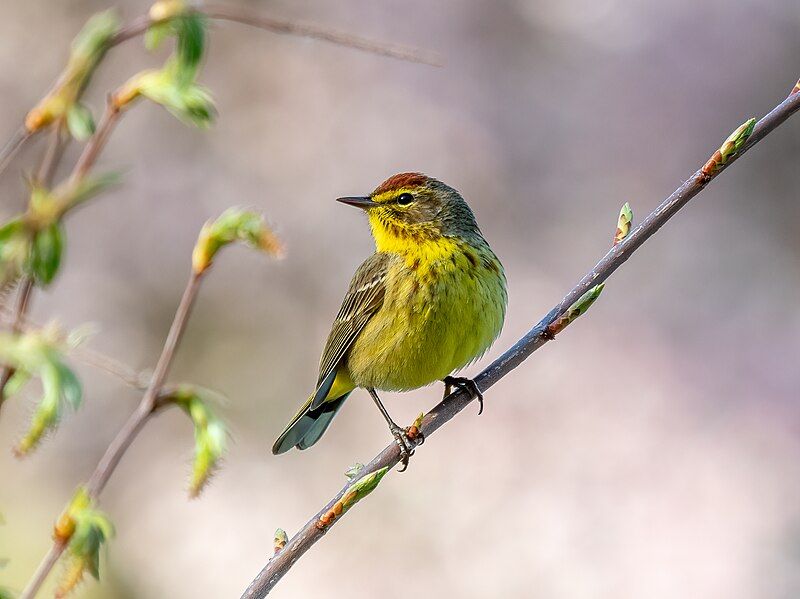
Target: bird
(430, 301)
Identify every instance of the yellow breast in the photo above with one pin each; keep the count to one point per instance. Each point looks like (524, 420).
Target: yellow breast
(444, 306)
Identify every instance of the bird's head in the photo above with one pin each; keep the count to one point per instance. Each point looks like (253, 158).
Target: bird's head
(415, 207)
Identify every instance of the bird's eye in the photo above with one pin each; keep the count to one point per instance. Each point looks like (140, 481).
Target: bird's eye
(404, 199)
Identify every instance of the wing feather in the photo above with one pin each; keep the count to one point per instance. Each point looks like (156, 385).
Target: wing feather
(362, 300)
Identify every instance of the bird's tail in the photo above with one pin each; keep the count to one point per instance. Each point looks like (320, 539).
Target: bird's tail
(308, 425)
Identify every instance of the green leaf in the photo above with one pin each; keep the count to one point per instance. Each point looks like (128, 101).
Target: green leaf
(38, 353)
(89, 187)
(92, 529)
(191, 31)
(156, 34)
(210, 434)
(16, 383)
(45, 255)
(80, 122)
(70, 385)
(92, 41)
(15, 245)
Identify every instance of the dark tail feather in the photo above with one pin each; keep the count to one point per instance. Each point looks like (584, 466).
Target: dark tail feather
(308, 426)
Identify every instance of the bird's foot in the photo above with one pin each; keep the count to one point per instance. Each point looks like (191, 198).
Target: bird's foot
(466, 384)
(405, 443)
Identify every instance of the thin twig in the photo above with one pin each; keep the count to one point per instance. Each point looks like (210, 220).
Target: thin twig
(279, 564)
(45, 567)
(128, 432)
(97, 142)
(239, 14)
(130, 376)
(138, 379)
(13, 145)
(130, 429)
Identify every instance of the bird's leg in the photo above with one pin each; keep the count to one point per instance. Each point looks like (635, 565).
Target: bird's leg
(400, 435)
(464, 383)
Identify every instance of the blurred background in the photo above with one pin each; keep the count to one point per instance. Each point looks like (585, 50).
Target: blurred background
(652, 451)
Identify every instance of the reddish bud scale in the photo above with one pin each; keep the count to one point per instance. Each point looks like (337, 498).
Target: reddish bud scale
(64, 528)
(796, 88)
(710, 167)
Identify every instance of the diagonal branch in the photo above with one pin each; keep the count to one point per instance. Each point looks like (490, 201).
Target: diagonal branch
(238, 14)
(284, 26)
(130, 429)
(540, 334)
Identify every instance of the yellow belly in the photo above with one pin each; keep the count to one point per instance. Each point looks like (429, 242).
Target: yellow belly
(437, 317)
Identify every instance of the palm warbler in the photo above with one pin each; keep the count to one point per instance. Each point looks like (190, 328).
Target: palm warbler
(429, 301)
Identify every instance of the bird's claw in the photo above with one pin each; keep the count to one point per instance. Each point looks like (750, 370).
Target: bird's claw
(466, 384)
(405, 444)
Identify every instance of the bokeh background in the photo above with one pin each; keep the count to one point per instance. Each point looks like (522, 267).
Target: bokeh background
(653, 451)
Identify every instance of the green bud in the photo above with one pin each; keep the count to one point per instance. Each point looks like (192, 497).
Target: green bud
(38, 353)
(280, 540)
(80, 122)
(355, 493)
(45, 257)
(233, 225)
(729, 148)
(210, 434)
(575, 310)
(86, 530)
(585, 301)
(736, 140)
(353, 471)
(363, 487)
(88, 49)
(623, 223)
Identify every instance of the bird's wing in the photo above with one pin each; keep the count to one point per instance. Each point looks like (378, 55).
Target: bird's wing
(363, 299)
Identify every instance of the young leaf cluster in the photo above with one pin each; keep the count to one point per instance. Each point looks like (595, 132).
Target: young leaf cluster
(38, 354)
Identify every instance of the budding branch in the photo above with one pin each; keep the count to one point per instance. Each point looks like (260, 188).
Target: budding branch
(313, 531)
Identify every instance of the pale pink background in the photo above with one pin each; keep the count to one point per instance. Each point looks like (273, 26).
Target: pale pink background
(651, 452)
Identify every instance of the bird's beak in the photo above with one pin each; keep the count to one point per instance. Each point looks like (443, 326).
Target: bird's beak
(363, 202)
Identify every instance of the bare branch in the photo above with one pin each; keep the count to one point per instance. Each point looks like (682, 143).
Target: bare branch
(284, 26)
(238, 14)
(316, 528)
